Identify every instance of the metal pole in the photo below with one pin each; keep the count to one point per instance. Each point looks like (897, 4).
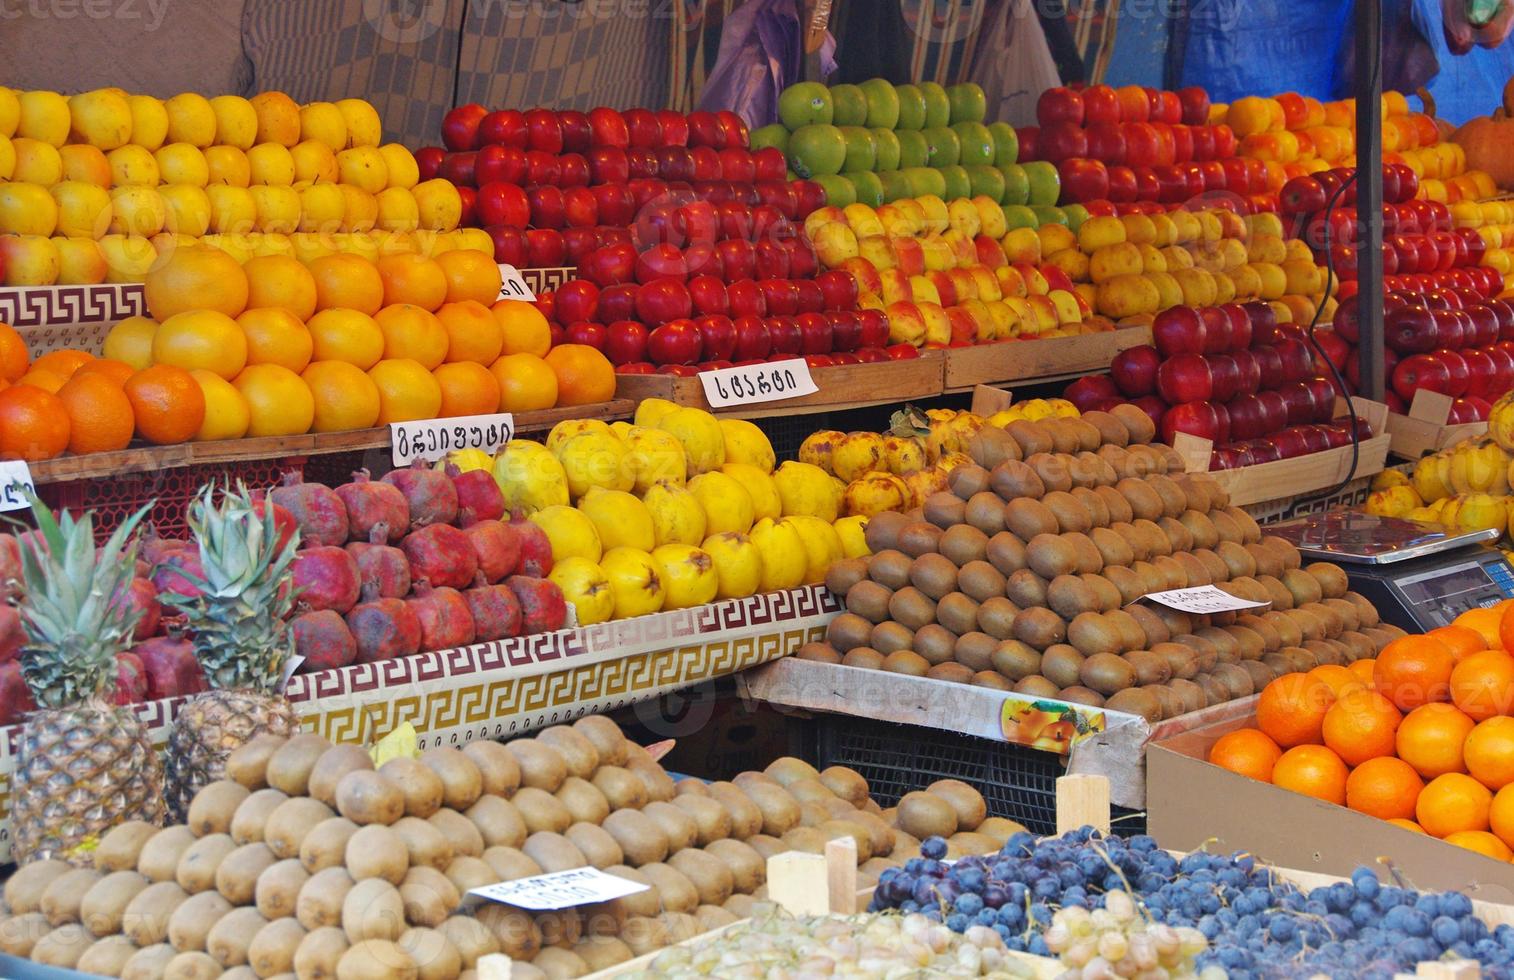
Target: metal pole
(1369, 195)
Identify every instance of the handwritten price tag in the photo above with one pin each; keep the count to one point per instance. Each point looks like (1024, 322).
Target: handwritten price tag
(559, 890)
(512, 285)
(1203, 599)
(15, 484)
(755, 383)
(435, 438)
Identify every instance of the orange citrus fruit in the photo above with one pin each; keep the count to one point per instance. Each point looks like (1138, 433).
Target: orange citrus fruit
(226, 412)
(33, 424)
(48, 381)
(1414, 670)
(584, 375)
(345, 397)
(276, 336)
(1484, 622)
(278, 402)
(1365, 671)
(413, 332)
(280, 282)
(1430, 739)
(1384, 788)
(1482, 685)
(471, 275)
(1312, 770)
(130, 341)
(1409, 825)
(1462, 641)
(524, 329)
(347, 282)
(195, 277)
(62, 362)
(411, 278)
(99, 415)
(526, 383)
(467, 389)
(1482, 842)
(1246, 751)
(1489, 752)
(14, 358)
(1340, 679)
(1453, 802)
(1361, 726)
(407, 391)
(116, 371)
(346, 335)
(201, 339)
(167, 403)
(1506, 629)
(1501, 815)
(1291, 709)
(472, 332)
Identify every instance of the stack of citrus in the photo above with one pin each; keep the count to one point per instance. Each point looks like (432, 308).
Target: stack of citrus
(95, 186)
(1421, 737)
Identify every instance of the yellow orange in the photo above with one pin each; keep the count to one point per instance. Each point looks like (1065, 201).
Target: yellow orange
(1246, 751)
(345, 281)
(279, 281)
(201, 339)
(1430, 738)
(1485, 621)
(526, 383)
(131, 341)
(167, 404)
(49, 381)
(584, 375)
(415, 279)
(524, 329)
(413, 332)
(99, 414)
(226, 413)
(278, 402)
(196, 277)
(1312, 770)
(1489, 752)
(467, 388)
(472, 332)
(470, 275)
(276, 336)
(14, 358)
(1451, 803)
(345, 397)
(1484, 843)
(1385, 788)
(346, 335)
(407, 391)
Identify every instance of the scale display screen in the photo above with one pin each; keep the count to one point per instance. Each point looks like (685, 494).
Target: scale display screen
(1452, 591)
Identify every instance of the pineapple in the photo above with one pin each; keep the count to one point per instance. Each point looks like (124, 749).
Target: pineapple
(84, 765)
(241, 639)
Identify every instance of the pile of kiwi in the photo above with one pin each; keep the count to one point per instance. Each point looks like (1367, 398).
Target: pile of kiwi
(307, 861)
(1026, 575)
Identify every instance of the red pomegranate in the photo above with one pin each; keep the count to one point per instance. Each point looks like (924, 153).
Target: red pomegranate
(12, 636)
(382, 564)
(541, 603)
(172, 670)
(140, 595)
(323, 639)
(429, 492)
(320, 512)
(327, 578)
(155, 549)
(15, 696)
(535, 547)
(283, 521)
(369, 503)
(10, 566)
(131, 679)
(383, 628)
(171, 576)
(443, 613)
(478, 496)
(496, 611)
(442, 555)
(497, 546)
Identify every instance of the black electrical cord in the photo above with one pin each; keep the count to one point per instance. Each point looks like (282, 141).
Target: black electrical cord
(457, 62)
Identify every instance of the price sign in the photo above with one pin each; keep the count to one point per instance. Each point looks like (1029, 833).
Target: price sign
(435, 438)
(1203, 599)
(559, 890)
(15, 485)
(512, 285)
(770, 382)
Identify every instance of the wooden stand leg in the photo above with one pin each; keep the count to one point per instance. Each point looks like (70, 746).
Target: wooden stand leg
(1082, 800)
(841, 875)
(799, 883)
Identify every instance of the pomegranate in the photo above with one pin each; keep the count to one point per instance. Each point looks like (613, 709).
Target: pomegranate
(369, 503)
(142, 596)
(384, 565)
(155, 549)
(10, 566)
(320, 512)
(284, 522)
(541, 603)
(327, 578)
(131, 679)
(15, 696)
(323, 639)
(443, 613)
(429, 492)
(177, 574)
(496, 611)
(172, 670)
(497, 546)
(442, 555)
(535, 547)
(383, 627)
(478, 496)
(12, 636)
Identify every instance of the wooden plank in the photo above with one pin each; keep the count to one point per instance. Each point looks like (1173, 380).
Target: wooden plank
(842, 386)
(799, 883)
(1082, 800)
(1037, 358)
(841, 875)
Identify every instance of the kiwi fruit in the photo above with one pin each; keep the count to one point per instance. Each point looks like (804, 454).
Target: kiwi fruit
(912, 608)
(1032, 437)
(1150, 668)
(536, 808)
(934, 643)
(1069, 512)
(1052, 471)
(985, 511)
(1285, 550)
(968, 479)
(1227, 649)
(919, 538)
(958, 611)
(1025, 589)
(1039, 627)
(1107, 597)
(1094, 633)
(882, 532)
(1152, 577)
(1087, 555)
(1084, 470)
(975, 651)
(1127, 582)
(1028, 518)
(889, 569)
(1152, 536)
(1144, 501)
(1305, 588)
(964, 544)
(1111, 431)
(1098, 509)
(923, 814)
(1174, 500)
(1181, 660)
(1190, 695)
(944, 509)
(991, 679)
(1061, 665)
(1196, 572)
(848, 630)
(1350, 616)
(906, 662)
(1179, 538)
(1227, 527)
(1366, 612)
(1016, 660)
(996, 617)
(1213, 564)
(1113, 548)
(1006, 552)
(869, 600)
(1152, 627)
(1050, 555)
(1116, 504)
(1204, 652)
(842, 575)
(888, 637)
(1136, 701)
(1287, 629)
(1070, 596)
(934, 575)
(1078, 694)
(864, 657)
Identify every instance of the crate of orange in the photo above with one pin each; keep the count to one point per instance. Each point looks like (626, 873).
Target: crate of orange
(1409, 755)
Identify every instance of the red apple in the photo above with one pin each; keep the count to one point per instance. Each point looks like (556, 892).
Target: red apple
(1083, 180)
(1197, 418)
(718, 335)
(428, 161)
(461, 169)
(752, 341)
(783, 331)
(1458, 377)
(1421, 371)
(746, 298)
(738, 259)
(803, 263)
(1059, 104)
(662, 300)
(509, 245)
(545, 248)
(811, 298)
(675, 342)
(576, 300)
(577, 131)
(781, 296)
(548, 209)
(460, 126)
(573, 170)
(814, 333)
(772, 262)
(1179, 330)
(1411, 330)
(496, 163)
(543, 168)
(1090, 390)
(674, 126)
(502, 204)
(838, 288)
(1134, 370)
(1301, 195)
(661, 262)
(1062, 141)
(1184, 378)
(586, 333)
(708, 295)
(769, 163)
(1225, 377)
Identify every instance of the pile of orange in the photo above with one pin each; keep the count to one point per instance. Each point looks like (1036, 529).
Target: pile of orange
(1422, 736)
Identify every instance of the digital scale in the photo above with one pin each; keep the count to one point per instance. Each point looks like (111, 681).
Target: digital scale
(1419, 575)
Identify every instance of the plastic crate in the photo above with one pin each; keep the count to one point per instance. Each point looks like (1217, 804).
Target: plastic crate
(1016, 782)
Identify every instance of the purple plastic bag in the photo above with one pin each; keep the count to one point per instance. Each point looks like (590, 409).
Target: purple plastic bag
(760, 53)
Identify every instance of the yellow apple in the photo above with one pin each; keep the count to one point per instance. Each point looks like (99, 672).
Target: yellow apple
(323, 122)
(309, 246)
(1139, 228)
(1021, 245)
(1109, 261)
(80, 261)
(1003, 318)
(191, 119)
(27, 209)
(101, 118)
(1302, 278)
(44, 116)
(149, 121)
(962, 216)
(938, 253)
(273, 243)
(1187, 225)
(28, 260)
(1055, 237)
(964, 252)
(236, 121)
(137, 210)
(359, 209)
(1011, 283)
(906, 324)
(863, 220)
(83, 209)
(834, 242)
(1072, 262)
(1266, 248)
(1248, 285)
(822, 216)
(875, 249)
(987, 283)
(238, 246)
(923, 290)
(278, 208)
(364, 167)
(188, 209)
(990, 217)
(271, 164)
(36, 162)
(1169, 293)
(938, 327)
(440, 207)
(1177, 258)
(1152, 259)
(278, 118)
(860, 269)
(1066, 306)
(932, 212)
(10, 111)
(1165, 230)
(896, 286)
(180, 163)
(363, 125)
(1127, 295)
(227, 165)
(1233, 253)
(232, 210)
(1197, 285)
(86, 164)
(1224, 288)
(1100, 230)
(397, 210)
(403, 170)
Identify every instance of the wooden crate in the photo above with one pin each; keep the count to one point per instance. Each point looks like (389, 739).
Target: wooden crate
(1424, 429)
(842, 386)
(1038, 359)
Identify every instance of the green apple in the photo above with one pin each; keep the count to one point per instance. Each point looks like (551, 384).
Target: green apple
(1020, 216)
(882, 103)
(1076, 215)
(1049, 214)
(894, 185)
(986, 182)
(850, 106)
(913, 148)
(938, 108)
(1016, 184)
(805, 104)
(866, 188)
(977, 143)
(925, 180)
(944, 149)
(861, 148)
(968, 103)
(911, 107)
(957, 183)
(1006, 143)
(1045, 183)
(839, 191)
(774, 135)
(819, 148)
(888, 149)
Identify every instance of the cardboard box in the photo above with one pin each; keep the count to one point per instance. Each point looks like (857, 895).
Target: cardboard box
(1191, 804)
(1038, 358)
(1424, 430)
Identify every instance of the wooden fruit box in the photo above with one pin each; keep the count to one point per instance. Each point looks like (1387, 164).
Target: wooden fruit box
(842, 386)
(1301, 475)
(1038, 359)
(1424, 430)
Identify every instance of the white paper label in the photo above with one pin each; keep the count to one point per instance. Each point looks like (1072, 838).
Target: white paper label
(433, 439)
(559, 890)
(512, 285)
(290, 666)
(1203, 599)
(15, 484)
(770, 382)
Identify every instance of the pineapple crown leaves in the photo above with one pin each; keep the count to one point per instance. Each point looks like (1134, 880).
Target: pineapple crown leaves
(244, 594)
(73, 624)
